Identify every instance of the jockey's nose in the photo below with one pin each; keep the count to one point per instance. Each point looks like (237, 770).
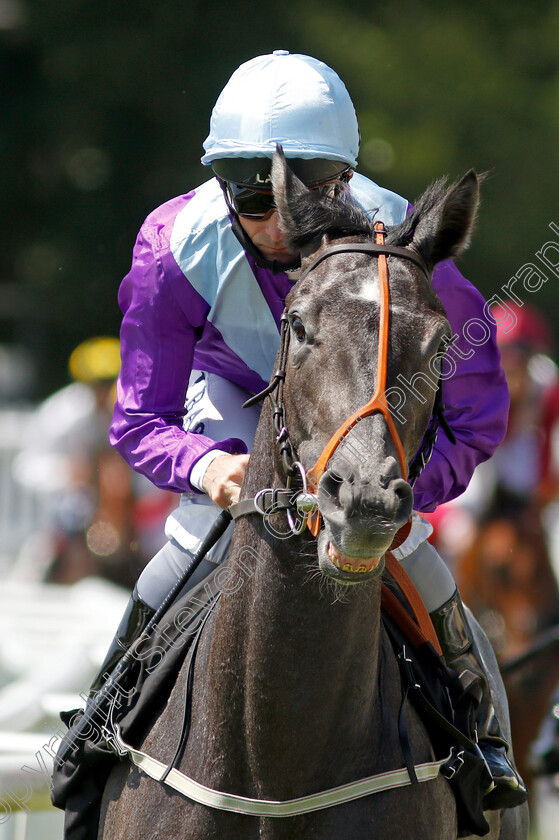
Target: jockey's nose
(272, 227)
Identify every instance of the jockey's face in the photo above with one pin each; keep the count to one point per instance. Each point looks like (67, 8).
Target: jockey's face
(264, 230)
(267, 236)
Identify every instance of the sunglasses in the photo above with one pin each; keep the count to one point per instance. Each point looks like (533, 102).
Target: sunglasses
(249, 203)
(253, 204)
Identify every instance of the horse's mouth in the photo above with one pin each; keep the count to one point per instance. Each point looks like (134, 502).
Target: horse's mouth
(335, 564)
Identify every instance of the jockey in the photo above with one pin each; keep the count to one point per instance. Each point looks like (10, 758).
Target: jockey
(201, 308)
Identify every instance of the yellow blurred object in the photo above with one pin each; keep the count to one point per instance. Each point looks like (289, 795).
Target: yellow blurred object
(96, 360)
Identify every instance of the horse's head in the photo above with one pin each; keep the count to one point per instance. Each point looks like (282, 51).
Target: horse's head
(334, 367)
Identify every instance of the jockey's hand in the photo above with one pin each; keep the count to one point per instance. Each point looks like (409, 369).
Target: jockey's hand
(223, 479)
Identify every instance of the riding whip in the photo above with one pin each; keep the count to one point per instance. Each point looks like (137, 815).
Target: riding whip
(97, 704)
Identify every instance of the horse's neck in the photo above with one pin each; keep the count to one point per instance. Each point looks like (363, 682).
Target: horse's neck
(294, 663)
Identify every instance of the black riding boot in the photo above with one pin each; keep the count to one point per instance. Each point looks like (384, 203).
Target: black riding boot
(136, 616)
(460, 652)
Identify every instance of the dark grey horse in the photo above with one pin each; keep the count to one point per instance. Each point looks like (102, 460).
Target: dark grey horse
(296, 686)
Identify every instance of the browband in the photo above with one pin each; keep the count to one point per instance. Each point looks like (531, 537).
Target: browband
(368, 248)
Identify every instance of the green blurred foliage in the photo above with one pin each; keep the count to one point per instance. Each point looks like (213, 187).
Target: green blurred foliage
(105, 107)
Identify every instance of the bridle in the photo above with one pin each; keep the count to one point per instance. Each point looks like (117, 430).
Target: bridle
(306, 500)
(375, 404)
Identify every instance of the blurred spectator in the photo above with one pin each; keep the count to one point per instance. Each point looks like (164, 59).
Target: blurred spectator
(521, 478)
(544, 754)
(103, 518)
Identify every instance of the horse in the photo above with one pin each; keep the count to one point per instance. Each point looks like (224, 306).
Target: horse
(507, 579)
(296, 687)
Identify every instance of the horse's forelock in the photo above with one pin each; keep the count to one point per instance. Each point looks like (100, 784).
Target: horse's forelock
(332, 218)
(312, 217)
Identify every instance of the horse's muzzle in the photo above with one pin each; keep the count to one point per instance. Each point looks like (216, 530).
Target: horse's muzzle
(361, 518)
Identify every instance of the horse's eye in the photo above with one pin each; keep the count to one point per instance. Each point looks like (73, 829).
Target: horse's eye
(298, 330)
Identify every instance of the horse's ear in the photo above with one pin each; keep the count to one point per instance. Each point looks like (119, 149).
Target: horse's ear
(294, 202)
(457, 218)
(441, 224)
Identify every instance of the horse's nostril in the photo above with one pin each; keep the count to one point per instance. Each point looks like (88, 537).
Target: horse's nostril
(401, 488)
(365, 498)
(404, 496)
(330, 483)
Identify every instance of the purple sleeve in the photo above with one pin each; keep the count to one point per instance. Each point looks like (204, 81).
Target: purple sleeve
(476, 395)
(162, 319)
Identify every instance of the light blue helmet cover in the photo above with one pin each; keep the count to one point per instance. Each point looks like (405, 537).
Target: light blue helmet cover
(294, 100)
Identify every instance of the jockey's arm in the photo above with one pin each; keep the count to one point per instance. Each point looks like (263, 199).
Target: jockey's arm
(162, 318)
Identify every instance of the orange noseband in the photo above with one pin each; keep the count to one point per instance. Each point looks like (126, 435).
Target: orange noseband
(376, 402)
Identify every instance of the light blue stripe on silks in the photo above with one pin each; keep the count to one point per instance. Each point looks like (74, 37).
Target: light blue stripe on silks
(215, 264)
